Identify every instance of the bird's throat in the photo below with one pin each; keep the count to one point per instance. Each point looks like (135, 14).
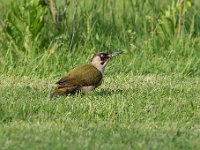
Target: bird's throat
(99, 66)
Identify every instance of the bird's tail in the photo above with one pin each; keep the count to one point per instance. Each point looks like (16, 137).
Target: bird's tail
(58, 91)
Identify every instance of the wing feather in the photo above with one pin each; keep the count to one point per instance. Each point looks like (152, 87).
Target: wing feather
(82, 76)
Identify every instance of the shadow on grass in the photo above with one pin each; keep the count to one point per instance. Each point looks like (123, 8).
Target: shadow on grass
(108, 92)
(35, 93)
(102, 92)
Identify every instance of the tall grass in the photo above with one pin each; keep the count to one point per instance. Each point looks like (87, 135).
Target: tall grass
(147, 30)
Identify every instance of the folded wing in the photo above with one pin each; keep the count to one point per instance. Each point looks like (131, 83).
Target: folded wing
(82, 76)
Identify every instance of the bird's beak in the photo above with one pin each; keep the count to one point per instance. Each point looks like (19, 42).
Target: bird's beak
(115, 53)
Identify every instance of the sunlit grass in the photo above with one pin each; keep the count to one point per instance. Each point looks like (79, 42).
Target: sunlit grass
(142, 112)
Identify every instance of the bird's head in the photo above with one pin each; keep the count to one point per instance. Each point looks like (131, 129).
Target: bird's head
(100, 59)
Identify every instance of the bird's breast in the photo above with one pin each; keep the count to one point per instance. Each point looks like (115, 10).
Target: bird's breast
(86, 89)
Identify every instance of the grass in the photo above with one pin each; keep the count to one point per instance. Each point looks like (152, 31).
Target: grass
(31, 44)
(128, 112)
(150, 96)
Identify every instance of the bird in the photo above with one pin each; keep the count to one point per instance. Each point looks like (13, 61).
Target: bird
(85, 78)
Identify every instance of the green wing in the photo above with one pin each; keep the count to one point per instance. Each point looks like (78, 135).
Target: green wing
(86, 75)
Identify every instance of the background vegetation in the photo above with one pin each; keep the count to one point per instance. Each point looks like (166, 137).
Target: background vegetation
(38, 41)
(150, 97)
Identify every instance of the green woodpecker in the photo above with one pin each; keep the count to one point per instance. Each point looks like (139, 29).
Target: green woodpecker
(84, 78)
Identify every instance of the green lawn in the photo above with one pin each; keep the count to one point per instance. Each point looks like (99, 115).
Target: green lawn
(126, 112)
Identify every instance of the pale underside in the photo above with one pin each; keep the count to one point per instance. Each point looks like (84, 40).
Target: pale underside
(86, 89)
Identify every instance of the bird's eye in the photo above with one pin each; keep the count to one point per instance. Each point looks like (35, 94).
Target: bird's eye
(103, 56)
